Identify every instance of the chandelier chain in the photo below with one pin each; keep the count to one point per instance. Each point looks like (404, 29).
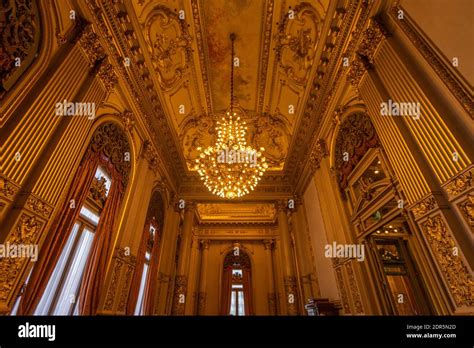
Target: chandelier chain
(232, 39)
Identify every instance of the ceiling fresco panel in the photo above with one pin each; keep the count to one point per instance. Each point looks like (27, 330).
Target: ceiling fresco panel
(220, 19)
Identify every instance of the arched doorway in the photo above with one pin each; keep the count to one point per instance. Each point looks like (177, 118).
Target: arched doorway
(237, 284)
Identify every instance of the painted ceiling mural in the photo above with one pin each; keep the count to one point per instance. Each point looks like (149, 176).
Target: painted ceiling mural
(188, 52)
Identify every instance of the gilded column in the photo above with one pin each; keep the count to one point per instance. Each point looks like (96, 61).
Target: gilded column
(278, 278)
(289, 279)
(181, 285)
(426, 157)
(272, 307)
(304, 252)
(42, 154)
(203, 277)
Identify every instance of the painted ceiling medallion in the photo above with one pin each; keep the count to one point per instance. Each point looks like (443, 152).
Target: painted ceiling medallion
(231, 169)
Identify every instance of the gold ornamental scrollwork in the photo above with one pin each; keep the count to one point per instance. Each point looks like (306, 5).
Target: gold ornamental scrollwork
(25, 232)
(180, 289)
(320, 150)
(108, 76)
(448, 256)
(460, 183)
(426, 205)
(20, 39)
(169, 44)
(109, 299)
(91, 46)
(149, 153)
(112, 142)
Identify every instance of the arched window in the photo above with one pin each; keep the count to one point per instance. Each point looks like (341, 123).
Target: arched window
(61, 294)
(69, 273)
(141, 297)
(237, 285)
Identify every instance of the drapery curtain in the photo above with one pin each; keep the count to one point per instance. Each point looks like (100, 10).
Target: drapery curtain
(58, 234)
(151, 282)
(226, 290)
(246, 280)
(137, 275)
(101, 250)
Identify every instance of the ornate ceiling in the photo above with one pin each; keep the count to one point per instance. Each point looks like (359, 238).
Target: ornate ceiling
(182, 53)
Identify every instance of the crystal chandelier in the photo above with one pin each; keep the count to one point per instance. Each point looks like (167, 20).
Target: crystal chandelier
(231, 168)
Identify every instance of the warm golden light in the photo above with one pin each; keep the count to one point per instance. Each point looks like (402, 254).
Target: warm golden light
(231, 168)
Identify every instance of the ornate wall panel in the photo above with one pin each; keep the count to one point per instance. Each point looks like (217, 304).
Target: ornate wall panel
(451, 263)
(27, 231)
(20, 33)
(121, 270)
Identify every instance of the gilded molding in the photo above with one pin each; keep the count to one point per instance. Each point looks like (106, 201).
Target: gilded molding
(170, 48)
(180, 289)
(112, 142)
(39, 207)
(342, 290)
(450, 262)
(149, 153)
(125, 289)
(460, 183)
(358, 68)
(26, 231)
(372, 38)
(467, 209)
(202, 303)
(107, 75)
(291, 289)
(268, 244)
(127, 120)
(109, 299)
(7, 188)
(320, 150)
(324, 90)
(463, 96)
(354, 289)
(301, 46)
(124, 254)
(425, 206)
(91, 46)
(201, 50)
(272, 300)
(265, 52)
(20, 29)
